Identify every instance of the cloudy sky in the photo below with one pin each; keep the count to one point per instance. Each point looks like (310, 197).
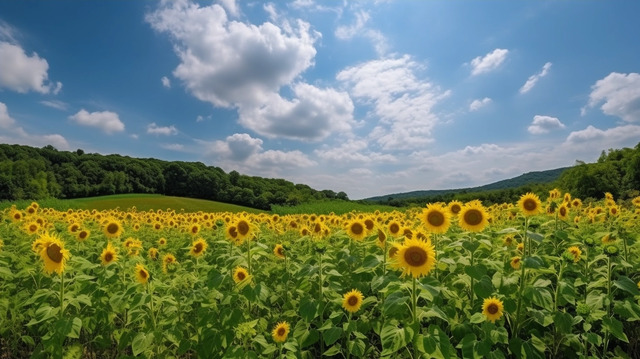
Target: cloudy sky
(366, 97)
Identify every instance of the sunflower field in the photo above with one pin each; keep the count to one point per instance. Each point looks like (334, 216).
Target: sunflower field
(534, 279)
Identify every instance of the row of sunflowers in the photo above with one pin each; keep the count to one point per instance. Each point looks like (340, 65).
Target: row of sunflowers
(530, 279)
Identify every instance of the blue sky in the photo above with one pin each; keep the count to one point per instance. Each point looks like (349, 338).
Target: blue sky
(366, 97)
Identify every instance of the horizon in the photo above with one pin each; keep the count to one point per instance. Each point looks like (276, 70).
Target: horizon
(340, 96)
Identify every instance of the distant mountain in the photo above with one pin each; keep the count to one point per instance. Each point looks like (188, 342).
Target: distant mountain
(528, 178)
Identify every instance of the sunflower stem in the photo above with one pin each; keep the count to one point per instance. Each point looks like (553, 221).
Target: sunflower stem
(471, 294)
(414, 303)
(321, 304)
(522, 278)
(153, 318)
(286, 281)
(61, 295)
(348, 337)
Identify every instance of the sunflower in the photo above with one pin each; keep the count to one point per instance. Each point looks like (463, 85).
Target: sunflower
(16, 215)
(492, 309)
(198, 247)
(52, 252)
(473, 217)
(280, 332)
(112, 228)
(240, 274)
(356, 230)
(168, 261)
(436, 218)
(231, 233)
(454, 207)
(516, 262)
(575, 253)
(416, 257)
(381, 239)
(32, 227)
(73, 228)
(162, 241)
(636, 201)
(278, 250)
(554, 193)
(394, 228)
(153, 253)
(576, 202)
(352, 301)
(244, 229)
(563, 211)
(614, 211)
(108, 255)
(194, 229)
(82, 235)
(142, 275)
(530, 204)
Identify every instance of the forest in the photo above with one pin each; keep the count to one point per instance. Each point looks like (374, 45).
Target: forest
(36, 173)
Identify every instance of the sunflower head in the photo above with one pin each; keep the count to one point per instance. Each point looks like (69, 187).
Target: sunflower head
(574, 253)
(416, 257)
(356, 229)
(530, 204)
(240, 274)
(82, 235)
(52, 252)
(108, 255)
(563, 211)
(492, 309)
(352, 301)
(278, 250)
(198, 247)
(473, 217)
(436, 218)
(516, 262)
(454, 207)
(142, 275)
(112, 228)
(280, 332)
(381, 239)
(394, 228)
(244, 229)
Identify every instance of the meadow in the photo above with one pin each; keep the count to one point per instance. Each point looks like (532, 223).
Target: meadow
(550, 278)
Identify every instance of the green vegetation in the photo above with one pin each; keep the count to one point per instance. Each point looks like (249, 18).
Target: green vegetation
(31, 173)
(331, 206)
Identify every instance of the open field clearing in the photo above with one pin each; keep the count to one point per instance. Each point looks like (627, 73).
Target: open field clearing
(534, 279)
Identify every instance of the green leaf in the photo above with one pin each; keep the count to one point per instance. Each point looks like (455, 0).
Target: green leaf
(468, 345)
(69, 327)
(477, 318)
(332, 351)
(627, 285)
(471, 246)
(627, 309)
(393, 338)
(533, 262)
(483, 288)
(43, 313)
(141, 342)
(614, 326)
(476, 271)
(331, 335)
(309, 338)
(308, 309)
(563, 322)
(356, 348)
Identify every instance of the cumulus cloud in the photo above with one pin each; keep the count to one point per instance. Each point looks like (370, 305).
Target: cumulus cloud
(166, 82)
(533, 79)
(313, 114)
(173, 146)
(488, 62)
(233, 64)
(544, 124)
(23, 73)
(401, 100)
(107, 121)
(353, 151)
(620, 94)
(13, 133)
(154, 129)
(59, 105)
(609, 138)
(231, 7)
(478, 104)
(358, 28)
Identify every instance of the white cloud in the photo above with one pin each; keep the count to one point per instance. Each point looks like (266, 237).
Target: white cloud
(358, 28)
(231, 7)
(352, 151)
(489, 62)
(313, 114)
(7, 32)
(544, 124)
(533, 79)
(604, 139)
(59, 105)
(237, 147)
(621, 96)
(166, 82)
(12, 133)
(107, 121)
(478, 104)
(22, 73)
(403, 102)
(173, 146)
(154, 129)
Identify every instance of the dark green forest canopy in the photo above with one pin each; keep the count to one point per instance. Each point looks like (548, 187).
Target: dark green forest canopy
(36, 173)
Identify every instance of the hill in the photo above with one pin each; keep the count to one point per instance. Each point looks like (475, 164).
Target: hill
(529, 178)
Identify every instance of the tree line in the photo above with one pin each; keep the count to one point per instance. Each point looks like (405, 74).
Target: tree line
(37, 173)
(617, 171)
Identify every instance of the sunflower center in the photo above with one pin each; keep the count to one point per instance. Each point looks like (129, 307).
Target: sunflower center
(473, 217)
(143, 274)
(530, 204)
(455, 208)
(394, 228)
(369, 224)
(33, 228)
(435, 218)
(281, 331)
(493, 308)
(357, 228)
(317, 228)
(353, 300)
(280, 251)
(54, 252)
(112, 228)
(83, 235)
(17, 216)
(241, 275)
(563, 211)
(243, 228)
(108, 257)
(415, 256)
(198, 248)
(233, 232)
(392, 252)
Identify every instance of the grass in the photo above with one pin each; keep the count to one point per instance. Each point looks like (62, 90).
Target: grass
(331, 206)
(142, 202)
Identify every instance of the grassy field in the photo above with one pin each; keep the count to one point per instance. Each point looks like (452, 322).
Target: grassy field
(326, 207)
(142, 202)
